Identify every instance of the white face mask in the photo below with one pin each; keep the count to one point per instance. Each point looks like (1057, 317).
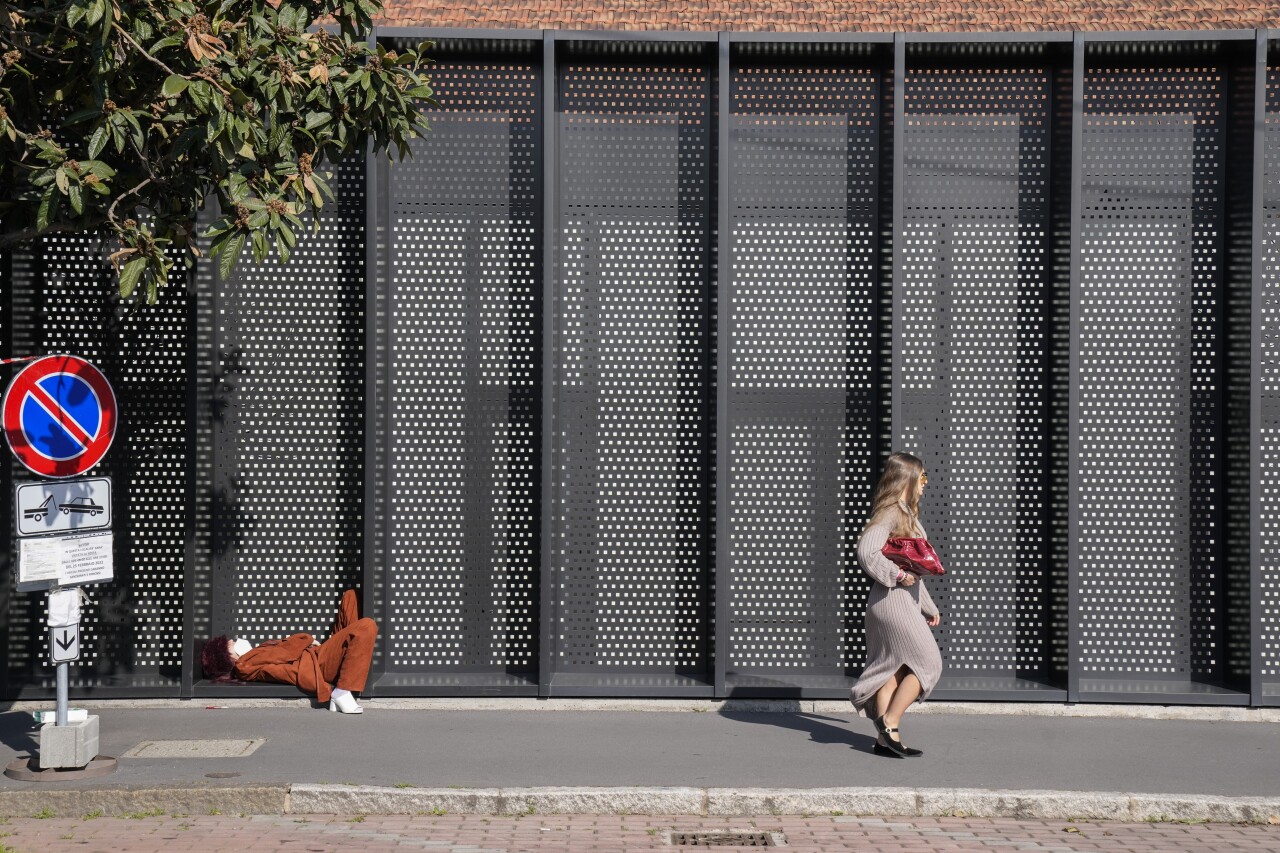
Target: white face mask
(242, 646)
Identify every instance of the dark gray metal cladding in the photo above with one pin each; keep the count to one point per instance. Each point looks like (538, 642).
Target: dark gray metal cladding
(590, 393)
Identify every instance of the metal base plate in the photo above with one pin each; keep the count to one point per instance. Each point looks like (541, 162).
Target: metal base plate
(26, 768)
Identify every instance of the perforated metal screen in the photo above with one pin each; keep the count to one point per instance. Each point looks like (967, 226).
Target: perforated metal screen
(132, 629)
(464, 386)
(975, 344)
(1267, 325)
(1150, 371)
(288, 408)
(632, 354)
(805, 171)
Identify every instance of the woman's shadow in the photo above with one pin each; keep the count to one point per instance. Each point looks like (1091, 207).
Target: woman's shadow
(820, 729)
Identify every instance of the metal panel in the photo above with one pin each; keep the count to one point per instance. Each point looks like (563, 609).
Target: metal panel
(464, 392)
(1266, 621)
(630, 551)
(802, 373)
(974, 303)
(288, 413)
(1150, 375)
(132, 632)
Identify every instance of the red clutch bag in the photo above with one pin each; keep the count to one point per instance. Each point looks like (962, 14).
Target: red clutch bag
(913, 555)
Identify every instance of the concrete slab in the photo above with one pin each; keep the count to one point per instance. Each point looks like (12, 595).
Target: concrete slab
(222, 748)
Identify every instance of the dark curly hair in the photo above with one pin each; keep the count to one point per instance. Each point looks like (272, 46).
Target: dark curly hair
(215, 658)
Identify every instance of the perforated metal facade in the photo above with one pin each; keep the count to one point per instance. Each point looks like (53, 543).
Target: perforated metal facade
(463, 252)
(975, 332)
(629, 551)
(588, 396)
(804, 396)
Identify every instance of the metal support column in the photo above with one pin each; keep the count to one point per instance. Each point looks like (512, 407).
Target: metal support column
(1073, 475)
(550, 260)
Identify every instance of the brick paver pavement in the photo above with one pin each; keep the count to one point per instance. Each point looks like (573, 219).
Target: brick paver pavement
(579, 833)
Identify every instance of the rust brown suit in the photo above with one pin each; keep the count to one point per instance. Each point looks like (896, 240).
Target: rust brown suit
(342, 660)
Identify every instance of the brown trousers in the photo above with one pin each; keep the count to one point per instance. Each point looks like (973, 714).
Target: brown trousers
(346, 656)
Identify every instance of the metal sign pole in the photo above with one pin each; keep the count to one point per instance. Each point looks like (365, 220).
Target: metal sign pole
(60, 715)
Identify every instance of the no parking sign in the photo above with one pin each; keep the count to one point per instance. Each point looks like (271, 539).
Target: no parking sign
(59, 416)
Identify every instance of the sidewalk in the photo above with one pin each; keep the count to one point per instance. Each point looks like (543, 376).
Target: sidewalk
(144, 833)
(697, 759)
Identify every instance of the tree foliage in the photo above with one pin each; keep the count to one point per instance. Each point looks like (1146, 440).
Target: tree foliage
(121, 118)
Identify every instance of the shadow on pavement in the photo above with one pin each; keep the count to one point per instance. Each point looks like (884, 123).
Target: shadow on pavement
(19, 732)
(817, 727)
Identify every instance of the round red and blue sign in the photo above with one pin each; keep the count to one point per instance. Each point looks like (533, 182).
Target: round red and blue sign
(59, 416)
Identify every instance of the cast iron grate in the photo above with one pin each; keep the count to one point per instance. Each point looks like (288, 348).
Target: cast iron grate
(723, 839)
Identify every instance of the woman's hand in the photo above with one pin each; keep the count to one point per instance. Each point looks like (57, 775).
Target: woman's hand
(934, 621)
(907, 579)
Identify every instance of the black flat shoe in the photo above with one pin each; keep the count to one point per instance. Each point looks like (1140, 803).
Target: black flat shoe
(883, 729)
(890, 746)
(885, 751)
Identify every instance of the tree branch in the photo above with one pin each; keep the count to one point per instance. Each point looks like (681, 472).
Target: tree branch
(124, 34)
(14, 238)
(142, 50)
(111, 211)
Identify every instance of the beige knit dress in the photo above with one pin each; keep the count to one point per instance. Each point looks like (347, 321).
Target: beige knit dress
(897, 633)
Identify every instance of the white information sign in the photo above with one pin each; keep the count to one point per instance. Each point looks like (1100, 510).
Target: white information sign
(66, 560)
(64, 643)
(66, 506)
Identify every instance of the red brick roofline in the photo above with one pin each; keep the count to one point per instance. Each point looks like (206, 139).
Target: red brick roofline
(827, 16)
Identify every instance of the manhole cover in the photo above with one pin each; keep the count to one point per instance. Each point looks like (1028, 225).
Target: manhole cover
(724, 839)
(229, 748)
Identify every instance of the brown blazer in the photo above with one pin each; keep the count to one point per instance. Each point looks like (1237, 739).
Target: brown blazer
(289, 661)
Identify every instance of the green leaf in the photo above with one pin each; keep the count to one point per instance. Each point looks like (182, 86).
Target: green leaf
(82, 115)
(62, 181)
(99, 140)
(130, 274)
(314, 120)
(201, 95)
(97, 167)
(75, 15)
(48, 204)
(97, 9)
(77, 200)
(174, 84)
(164, 44)
(230, 256)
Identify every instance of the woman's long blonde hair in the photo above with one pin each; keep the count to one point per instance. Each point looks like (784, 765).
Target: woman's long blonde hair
(888, 506)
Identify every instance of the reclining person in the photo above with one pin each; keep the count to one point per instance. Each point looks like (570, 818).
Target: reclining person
(332, 670)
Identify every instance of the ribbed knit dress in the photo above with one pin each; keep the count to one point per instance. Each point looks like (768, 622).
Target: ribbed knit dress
(897, 633)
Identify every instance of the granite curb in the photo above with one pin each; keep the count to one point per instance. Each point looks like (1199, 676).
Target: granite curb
(908, 802)
(1204, 713)
(304, 799)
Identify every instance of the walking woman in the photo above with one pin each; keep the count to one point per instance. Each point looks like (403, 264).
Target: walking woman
(903, 662)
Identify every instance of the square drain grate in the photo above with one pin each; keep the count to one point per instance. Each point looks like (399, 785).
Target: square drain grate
(723, 839)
